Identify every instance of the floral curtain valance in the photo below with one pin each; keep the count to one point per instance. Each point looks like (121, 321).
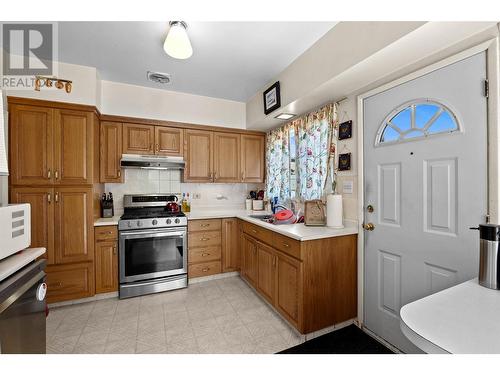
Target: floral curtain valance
(315, 137)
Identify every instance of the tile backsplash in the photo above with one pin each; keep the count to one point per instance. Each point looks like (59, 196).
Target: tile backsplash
(143, 181)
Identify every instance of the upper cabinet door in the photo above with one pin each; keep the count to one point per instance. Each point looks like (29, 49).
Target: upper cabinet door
(168, 141)
(111, 151)
(74, 224)
(199, 156)
(41, 200)
(138, 139)
(226, 157)
(31, 145)
(252, 158)
(73, 151)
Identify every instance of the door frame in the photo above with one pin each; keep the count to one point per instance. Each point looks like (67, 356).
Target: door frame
(492, 49)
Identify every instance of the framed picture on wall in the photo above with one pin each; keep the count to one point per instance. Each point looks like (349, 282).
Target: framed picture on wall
(345, 162)
(345, 130)
(272, 99)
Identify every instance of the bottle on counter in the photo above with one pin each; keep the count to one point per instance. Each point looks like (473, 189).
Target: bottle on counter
(184, 203)
(188, 204)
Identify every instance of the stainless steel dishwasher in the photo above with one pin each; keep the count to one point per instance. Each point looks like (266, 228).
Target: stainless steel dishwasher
(23, 311)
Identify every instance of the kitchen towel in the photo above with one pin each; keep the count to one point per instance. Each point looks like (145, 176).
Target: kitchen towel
(334, 211)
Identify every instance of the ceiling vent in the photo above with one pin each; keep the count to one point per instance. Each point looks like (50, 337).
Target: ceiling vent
(157, 77)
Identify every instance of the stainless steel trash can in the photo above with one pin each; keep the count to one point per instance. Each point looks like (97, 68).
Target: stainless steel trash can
(489, 270)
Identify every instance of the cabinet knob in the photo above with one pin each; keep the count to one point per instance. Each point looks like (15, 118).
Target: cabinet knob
(205, 239)
(114, 250)
(56, 174)
(56, 197)
(49, 174)
(204, 225)
(49, 198)
(205, 254)
(285, 244)
(205, 269)
(119, 172)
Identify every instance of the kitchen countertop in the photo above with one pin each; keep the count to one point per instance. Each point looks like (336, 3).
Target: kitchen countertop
(296, 231)
(17, 261)
(462, 319)
(106, 221)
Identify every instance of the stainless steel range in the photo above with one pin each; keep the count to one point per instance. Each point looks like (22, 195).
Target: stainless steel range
(152, 245)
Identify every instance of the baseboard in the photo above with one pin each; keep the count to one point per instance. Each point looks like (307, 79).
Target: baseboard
(380, 339)
(217, 276)
(96, 297)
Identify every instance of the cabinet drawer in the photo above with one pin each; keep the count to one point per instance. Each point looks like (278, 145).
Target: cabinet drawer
(106, 233)
(287, 245)
(258, 233)
(204, 269)
(204, 239)
(70, 281)
(203, 225)
(204, 254)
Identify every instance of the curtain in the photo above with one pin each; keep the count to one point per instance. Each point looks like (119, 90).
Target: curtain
(317, 139)
(278, 163)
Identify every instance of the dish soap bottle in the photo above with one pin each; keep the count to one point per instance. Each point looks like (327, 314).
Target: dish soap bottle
(184, 203)
(188, 204)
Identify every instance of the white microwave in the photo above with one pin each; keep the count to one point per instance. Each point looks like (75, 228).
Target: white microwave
(15, 228)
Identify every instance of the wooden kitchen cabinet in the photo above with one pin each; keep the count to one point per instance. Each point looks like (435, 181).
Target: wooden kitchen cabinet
(289, 288)
(31, 145)
(41, 200)
(70, 281)
(227, 157)
(110, 151)
(198, 156)
(230, 245)
(138, 139)
(73, 225)
(50, 146)
(106, 259)
(266, 269)
(169, 141)
(252, 158)
(250, 261)
(204, 247)
(73, 147)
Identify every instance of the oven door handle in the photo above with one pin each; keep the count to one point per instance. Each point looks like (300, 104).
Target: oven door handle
(132, 234)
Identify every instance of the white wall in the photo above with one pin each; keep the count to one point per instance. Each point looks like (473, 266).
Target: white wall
(136, 101)
(84, 90)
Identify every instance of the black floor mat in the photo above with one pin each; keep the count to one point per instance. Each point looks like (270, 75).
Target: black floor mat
(348, 340)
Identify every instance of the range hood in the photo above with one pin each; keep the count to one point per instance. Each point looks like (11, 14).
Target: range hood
(151, 162)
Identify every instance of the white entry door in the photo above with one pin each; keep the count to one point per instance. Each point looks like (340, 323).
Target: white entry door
(425, 168)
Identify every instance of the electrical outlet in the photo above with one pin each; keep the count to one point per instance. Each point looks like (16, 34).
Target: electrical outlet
(196, 196)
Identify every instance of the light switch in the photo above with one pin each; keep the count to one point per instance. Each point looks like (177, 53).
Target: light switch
(347, 187)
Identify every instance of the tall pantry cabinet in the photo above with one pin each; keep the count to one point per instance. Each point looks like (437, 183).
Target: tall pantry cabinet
(54, 158)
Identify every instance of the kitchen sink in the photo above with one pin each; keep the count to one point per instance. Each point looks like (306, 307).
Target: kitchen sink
(264, 217)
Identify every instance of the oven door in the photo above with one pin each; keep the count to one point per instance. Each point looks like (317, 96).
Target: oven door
(152, 253)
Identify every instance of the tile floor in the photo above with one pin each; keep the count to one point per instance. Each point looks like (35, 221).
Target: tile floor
(219, 316)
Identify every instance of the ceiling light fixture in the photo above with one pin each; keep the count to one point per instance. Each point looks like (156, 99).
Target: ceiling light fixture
(285, 116)
(177, 42)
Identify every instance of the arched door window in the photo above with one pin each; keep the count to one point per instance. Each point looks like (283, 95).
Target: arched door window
(416, 120)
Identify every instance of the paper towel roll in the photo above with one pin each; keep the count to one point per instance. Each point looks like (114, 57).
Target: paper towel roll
(334, 211)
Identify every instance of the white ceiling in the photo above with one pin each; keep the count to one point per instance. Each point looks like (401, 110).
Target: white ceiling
(231, 60)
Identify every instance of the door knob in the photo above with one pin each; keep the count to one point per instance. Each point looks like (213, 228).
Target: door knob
(369, 226)
(369, 208)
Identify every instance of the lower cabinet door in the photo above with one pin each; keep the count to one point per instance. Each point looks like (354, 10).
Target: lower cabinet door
(230, 245)
(106, 267)
(250, 260)
(70, 281)
(289, 289)
(73, 225)
(266, 266)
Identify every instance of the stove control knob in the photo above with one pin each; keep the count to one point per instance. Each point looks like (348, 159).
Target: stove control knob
(169, 221)
(139, 223)
(155, 222)
(129, 224)
(177, 221)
